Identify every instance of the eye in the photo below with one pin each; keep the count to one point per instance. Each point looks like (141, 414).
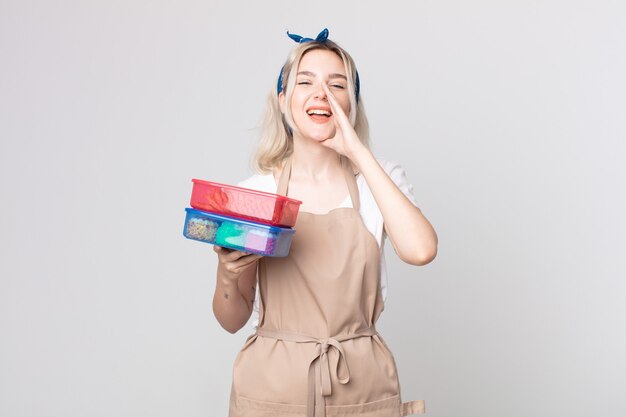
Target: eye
(304, 82)
(340, 86)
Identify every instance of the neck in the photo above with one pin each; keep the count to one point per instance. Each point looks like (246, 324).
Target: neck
(313, 161)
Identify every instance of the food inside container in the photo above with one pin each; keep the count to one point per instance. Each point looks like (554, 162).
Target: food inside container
(237, 234)
(258, 206)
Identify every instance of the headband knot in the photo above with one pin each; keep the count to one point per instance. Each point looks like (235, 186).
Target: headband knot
(321, 37)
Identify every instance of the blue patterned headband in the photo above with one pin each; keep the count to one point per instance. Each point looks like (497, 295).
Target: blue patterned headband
(322, 37)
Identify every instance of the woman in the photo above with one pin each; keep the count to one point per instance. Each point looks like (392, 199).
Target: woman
(316, 351)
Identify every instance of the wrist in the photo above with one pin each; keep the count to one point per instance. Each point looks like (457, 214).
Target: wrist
(359, 156)
(230, 279)
(227, 278)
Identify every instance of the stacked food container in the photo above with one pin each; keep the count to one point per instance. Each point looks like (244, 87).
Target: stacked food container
(241, 219)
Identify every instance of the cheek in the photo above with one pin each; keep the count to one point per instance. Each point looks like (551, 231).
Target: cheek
(293, 105)
(345, 105)
(344, 101)
(296, 101)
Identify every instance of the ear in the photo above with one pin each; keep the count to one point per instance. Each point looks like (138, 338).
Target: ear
(281, 101)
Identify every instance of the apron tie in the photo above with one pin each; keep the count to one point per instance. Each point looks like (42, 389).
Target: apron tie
(320, 368)
(325, 365)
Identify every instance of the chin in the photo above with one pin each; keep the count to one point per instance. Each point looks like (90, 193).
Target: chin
(320, 139)
(321, 136)
(317, 133)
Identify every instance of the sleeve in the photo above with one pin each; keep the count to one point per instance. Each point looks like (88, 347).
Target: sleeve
(398, 175)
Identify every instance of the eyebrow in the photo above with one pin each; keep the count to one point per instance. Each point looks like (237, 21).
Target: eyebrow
(312, 74)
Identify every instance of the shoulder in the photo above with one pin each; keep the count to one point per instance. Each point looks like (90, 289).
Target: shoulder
(393, 169)
(259, 182)
(398, 175)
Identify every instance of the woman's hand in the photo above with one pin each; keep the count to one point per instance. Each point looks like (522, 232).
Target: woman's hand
(233, 262)
(345, 142)
(411, 234)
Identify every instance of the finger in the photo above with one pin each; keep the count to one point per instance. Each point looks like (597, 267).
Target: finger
(231, 255)
(243, 263)
(341, 118)
(219, 248)
(334, 104)
(332, 100)
(235, 255)
(225, 253)
(247, 260)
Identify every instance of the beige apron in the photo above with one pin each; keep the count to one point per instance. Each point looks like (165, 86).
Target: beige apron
(316, 351)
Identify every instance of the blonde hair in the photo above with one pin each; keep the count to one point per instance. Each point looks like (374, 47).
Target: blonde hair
(276, 143)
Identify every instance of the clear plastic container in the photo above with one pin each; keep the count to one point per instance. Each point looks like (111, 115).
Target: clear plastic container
(237, 234)
(258, 206)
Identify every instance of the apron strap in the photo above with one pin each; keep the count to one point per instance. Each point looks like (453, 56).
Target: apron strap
(351, 182)
(283, 182)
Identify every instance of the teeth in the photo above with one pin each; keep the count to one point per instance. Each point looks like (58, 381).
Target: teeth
(321, 112)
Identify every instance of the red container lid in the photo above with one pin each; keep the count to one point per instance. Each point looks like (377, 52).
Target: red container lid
(230, 200)
(247, 190)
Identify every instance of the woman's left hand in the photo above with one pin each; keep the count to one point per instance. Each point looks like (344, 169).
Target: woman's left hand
(345, 142)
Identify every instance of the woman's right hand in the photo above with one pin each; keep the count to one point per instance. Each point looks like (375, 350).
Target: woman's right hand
(233, 262)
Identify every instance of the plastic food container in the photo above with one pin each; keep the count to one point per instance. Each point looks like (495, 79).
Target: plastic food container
(237, 234)
(244, 203)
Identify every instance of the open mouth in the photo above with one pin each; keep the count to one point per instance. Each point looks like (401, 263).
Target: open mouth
(319, 114)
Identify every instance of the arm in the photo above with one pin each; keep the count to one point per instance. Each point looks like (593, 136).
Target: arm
(235, 288)
(411, 234)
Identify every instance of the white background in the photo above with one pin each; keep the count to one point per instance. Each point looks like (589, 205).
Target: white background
(507, 115)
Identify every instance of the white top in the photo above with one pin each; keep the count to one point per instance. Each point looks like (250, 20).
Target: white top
(370, 213)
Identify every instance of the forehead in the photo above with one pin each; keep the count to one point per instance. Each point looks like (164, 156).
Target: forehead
(321, 61)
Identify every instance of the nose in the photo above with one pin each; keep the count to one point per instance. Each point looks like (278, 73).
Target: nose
(319, 92)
